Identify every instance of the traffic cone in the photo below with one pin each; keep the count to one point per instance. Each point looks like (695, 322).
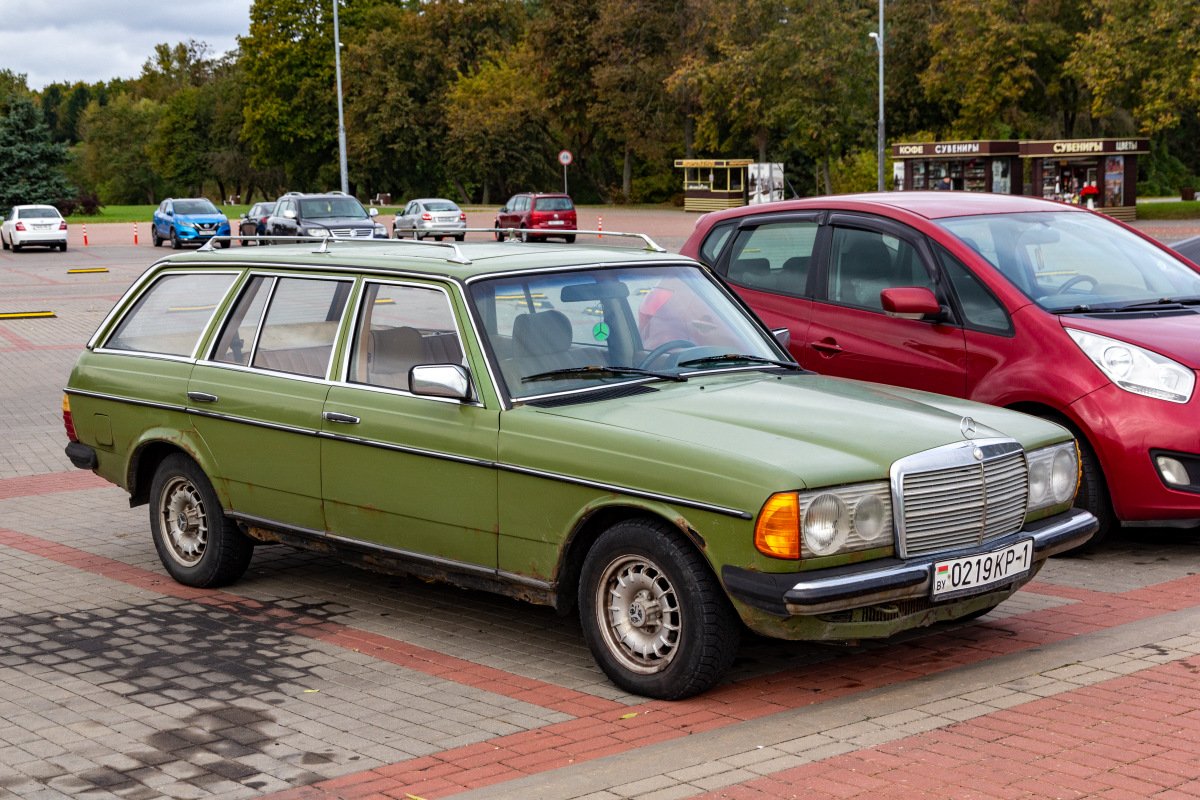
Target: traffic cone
(600, 227)
(135, 233)
(85, 234)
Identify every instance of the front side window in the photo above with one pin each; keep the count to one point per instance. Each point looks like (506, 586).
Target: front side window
(1064, 260)
(398, 328)
(170, 316)
(863, 263)
(657, 317)
(301, 326)
(774, 257)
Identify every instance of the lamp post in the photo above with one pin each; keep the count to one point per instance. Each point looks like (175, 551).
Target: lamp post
(337, 65)
(878, 37)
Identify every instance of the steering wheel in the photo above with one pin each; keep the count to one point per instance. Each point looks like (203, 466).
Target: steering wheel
(658, 352)
(1077, 279)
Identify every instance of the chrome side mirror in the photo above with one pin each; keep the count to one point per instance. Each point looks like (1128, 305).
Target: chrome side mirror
(289, 214)
(440, 380)
(783, 336)
(374, 212)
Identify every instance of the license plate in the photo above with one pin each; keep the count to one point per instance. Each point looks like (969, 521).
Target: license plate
(556, 222)
(957, 577)
(43, 227)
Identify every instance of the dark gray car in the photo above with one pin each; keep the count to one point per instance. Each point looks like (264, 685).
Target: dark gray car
(329, 215)
(429, 213)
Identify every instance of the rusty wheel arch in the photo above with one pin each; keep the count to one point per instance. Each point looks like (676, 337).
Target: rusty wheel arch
(579, 543)
(142, 466)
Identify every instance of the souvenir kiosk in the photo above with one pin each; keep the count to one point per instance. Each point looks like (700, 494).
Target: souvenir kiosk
(713, 184)
(972, 166)
(1074, 170)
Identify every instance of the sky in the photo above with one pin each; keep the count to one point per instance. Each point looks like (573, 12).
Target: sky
(97, 40)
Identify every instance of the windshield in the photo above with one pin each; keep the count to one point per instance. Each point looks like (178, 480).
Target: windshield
(553, 204)
(1063, 260)
(332, 207)
(441, 205)
(651, 318)
(37, 213)
(195, 207)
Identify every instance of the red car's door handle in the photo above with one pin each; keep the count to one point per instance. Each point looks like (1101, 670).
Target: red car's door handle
(826, 346)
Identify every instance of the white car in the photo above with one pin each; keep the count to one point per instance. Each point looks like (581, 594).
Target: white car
(40, 225)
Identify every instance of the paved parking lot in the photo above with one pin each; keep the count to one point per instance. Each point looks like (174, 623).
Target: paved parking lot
(308, 679)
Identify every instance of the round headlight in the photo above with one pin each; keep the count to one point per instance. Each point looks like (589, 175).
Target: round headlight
(825, 524)
(1063, 475)
(1039, 481)
(1118, 360)
(869, 516)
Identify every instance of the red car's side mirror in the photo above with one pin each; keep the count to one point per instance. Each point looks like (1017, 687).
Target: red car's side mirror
(909, 302)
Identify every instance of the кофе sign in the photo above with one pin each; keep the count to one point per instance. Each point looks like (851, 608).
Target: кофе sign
(951, 149)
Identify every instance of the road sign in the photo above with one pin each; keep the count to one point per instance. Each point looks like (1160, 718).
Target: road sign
(564, 157)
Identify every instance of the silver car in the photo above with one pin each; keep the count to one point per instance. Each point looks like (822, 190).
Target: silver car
(431, 213)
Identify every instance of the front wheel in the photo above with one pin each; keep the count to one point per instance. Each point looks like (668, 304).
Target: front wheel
(175, 243)
(195, 541)
(499, 234)
(654, 616)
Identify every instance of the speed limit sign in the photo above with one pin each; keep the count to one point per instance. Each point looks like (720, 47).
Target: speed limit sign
(564, 157)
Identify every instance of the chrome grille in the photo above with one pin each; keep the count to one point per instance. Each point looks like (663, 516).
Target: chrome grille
(351, 232)
(966, 502)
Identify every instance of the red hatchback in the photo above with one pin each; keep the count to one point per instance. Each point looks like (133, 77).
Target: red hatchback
(549, 214)
(1024, 303)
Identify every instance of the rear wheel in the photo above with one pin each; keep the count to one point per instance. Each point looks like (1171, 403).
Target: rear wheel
(3, 241)
(154, 237)
(460, 237)
(62, 246)
(197, 544)
(656, 619)
(570, 239)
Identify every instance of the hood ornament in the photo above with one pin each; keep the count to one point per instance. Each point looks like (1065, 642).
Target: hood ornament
(968, 428)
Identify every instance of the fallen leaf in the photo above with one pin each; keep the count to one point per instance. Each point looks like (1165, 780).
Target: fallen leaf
(628, 716)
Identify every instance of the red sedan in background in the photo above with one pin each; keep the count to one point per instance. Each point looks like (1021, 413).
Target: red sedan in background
(1020, 302)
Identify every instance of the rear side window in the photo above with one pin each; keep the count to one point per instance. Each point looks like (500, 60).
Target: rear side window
(553, 204)
(774, 257)
(710, 249)
(170, 316)
(301, 325)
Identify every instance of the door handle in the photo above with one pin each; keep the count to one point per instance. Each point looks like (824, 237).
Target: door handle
(334, 416)
(202, 397)
(827, 346)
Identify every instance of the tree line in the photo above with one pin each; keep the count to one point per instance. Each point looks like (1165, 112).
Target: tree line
(473, 99)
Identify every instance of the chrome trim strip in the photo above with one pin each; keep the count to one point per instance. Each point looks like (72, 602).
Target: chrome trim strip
(139, 354)
(128, 401)
(261, 371)
(255, 423)
(412, 451)
(608, 487)
(242, 516)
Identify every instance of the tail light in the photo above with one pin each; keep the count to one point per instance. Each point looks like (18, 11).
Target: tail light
(62, 226)
(427, 217)
(68, 423)
(462, 217)
(20, 226)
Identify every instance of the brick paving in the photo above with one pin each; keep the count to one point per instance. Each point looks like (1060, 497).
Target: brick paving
(314, 679)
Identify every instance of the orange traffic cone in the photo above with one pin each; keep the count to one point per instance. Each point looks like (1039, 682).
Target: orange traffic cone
(600, 227)
(135, 233)
(85, 234)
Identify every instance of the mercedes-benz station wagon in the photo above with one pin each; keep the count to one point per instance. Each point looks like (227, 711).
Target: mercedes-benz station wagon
(607, 428)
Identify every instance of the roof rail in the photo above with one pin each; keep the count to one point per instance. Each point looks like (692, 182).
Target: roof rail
(515, 234)
(324, 241)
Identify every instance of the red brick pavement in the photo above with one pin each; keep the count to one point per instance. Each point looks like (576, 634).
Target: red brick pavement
(72, 481)
(1137, 736)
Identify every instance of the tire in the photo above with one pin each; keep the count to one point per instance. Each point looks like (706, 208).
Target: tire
(499, 235)
(1093, 493)
(3, 242)
(197, 544)
(175, 243)
(640, 559)
(460, 237)
(154, 237)
(225, 245)
(63, 247)
(242, 241)
(570, 239)
(525, 237)
(16, 248)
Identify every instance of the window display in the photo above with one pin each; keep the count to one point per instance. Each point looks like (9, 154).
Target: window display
(1114, 181)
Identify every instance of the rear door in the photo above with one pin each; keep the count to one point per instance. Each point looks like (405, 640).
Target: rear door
(849, 334)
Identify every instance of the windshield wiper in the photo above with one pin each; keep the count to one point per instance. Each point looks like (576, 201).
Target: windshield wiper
(1166, 302)
(572, 372)
(742, 357)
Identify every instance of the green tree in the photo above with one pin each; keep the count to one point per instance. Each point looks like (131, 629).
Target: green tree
(114, 152)
(31, 165)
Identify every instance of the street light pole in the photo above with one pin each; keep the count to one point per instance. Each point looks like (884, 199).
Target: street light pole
(878, 37)
(337, 64)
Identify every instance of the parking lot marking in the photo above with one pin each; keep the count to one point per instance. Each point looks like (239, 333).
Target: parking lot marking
(25, 314)
(90, 269)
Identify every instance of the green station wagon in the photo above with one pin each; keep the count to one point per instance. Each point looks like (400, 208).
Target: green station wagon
(601, 426)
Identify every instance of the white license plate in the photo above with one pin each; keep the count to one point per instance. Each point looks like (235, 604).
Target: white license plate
(556, 222)
(42, 227)
(956, 577)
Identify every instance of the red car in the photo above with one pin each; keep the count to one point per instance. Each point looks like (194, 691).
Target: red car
(552, 213)
(1025, 303)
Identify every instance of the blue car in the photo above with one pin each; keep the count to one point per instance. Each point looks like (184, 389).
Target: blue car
(184, 220)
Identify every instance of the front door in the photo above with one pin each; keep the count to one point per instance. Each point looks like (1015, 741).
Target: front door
(850, 336)
(402, 471)
(257, 401)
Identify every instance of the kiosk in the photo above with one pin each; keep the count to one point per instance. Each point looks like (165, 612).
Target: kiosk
(713, 184)
(972, 166)
(1061, 168)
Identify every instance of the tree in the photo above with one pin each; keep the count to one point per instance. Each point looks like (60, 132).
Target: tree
(114, 154)
(30, 163)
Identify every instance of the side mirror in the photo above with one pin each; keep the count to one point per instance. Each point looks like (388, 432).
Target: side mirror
(289, 214)
(374, 212)
(170, 213)
(503, 210)
(440, 380)
(783, 336)
(909, 302)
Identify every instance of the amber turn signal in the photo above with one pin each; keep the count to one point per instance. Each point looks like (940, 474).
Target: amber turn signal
(777, 532)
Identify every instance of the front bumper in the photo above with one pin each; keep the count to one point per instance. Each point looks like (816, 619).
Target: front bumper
(889, 579)
(194, 235)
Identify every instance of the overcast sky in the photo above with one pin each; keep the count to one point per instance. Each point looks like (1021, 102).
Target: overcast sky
(97, 40)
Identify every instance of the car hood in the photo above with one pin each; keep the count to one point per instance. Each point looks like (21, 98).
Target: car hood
(205, 218)
(339, 222)
(742, 436)
(1174, 334)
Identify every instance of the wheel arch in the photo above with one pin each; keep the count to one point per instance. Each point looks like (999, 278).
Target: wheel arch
(152, 451)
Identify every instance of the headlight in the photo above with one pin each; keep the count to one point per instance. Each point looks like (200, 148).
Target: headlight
(379, 228)
(1053, 475)
(826, 522)
(1135, 369)
(318, 232)
(183, 224)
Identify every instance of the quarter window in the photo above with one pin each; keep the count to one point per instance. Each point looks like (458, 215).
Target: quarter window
(400, 327)
(710, 250)
(774, 257)
(301, 325)
(864, 263)
(169, 317)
